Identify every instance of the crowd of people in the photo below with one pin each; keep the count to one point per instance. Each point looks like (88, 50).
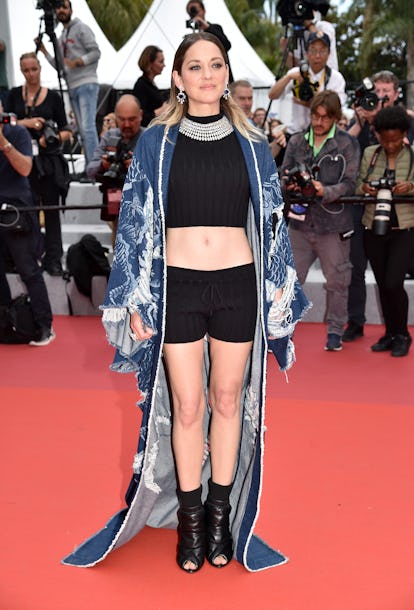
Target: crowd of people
(312, 67)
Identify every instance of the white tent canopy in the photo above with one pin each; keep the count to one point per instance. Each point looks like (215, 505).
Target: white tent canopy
(164, 26)
(19, 26)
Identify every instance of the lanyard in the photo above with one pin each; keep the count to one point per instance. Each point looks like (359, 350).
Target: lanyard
(374, 160)
(65, 43)
(28, 110)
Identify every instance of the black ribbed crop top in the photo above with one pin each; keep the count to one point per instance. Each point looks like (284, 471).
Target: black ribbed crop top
(208, 183)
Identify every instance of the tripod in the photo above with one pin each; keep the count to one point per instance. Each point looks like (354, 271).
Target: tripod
(49, 28)
(295, 40)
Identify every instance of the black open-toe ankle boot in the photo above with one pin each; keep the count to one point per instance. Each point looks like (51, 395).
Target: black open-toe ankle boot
(191, 537)
(219, 541)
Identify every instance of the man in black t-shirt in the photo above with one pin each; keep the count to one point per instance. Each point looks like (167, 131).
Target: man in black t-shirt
(386, 86)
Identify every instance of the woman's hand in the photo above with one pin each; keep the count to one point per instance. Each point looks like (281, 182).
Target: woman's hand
(35, 123)
(139, 329)
(402, 188)
(276, 314)
(369, 190)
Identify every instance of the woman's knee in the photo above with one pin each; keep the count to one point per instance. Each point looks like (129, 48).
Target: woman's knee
(189, 411)
(225, 401)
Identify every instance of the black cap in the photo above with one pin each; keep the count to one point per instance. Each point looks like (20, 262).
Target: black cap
(318, 36)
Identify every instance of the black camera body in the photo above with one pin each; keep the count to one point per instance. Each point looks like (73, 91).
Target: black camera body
(117, 152)
(297, 12)
(191, 23)
(8, 118)
(117, 168)
(112, 181)
(383, 205)
(365, 95)
(301, 176)
(306, 89)
(51, 133)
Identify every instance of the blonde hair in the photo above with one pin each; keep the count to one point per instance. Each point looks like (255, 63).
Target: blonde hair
(175, 111)
(31, 55)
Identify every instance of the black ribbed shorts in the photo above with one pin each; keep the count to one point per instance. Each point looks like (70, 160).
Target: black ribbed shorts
(221, 303)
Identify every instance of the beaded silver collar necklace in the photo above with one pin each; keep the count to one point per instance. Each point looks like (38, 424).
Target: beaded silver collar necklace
(206, 132)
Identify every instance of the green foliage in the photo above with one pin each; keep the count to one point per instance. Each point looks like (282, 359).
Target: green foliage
(371, 36)
(260, 30)
(119, 18)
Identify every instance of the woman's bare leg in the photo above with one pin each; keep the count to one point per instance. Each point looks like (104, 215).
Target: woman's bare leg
(184, 366)
(184, 363)
(228, 363)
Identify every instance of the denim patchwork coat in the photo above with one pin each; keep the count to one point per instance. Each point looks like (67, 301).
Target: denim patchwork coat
(138, 283)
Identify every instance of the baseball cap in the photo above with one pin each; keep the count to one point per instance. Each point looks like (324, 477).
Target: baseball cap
(313, 36)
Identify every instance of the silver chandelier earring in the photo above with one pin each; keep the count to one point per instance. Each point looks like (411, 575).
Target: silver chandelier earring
(181, 96)
(226, 93)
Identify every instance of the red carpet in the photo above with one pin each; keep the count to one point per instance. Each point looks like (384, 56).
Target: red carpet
(338, 497)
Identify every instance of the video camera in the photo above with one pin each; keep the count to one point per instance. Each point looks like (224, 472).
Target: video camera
(49, 5)
(8, 118)
(296, 12)
(301, 176)
(383, 205)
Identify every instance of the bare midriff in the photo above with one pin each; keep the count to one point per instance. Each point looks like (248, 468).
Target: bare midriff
(208, 248)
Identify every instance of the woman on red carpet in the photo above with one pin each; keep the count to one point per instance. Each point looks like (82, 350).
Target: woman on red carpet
(203, 273)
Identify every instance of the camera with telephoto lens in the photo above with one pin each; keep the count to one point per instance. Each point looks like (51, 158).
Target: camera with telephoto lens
(383, 205)
(192, 23)
(8, 118)
(301, 176)
(297, 12)
(365, 95)
(51, 132)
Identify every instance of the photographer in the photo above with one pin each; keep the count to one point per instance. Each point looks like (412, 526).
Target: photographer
(323, 227)
(115, 150)
(300, 84)
(21, 245)
(310, 23)
(41, 111)
(381, 91)
(79, 55)
(197, 13)
(387, 170)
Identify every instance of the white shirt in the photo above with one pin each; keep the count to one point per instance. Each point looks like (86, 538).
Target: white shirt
(300, 115)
